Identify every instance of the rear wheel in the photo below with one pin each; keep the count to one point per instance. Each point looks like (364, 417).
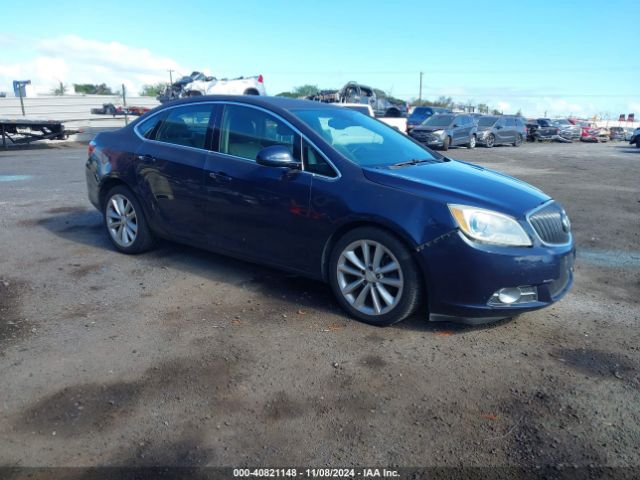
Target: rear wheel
(518, 141)
(472, 142)
(374, 277)
(446, 143)
(125, 221)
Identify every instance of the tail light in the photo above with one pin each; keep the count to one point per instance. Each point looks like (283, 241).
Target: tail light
(260, 79)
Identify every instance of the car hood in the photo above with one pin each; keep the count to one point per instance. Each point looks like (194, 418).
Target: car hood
(453, 181)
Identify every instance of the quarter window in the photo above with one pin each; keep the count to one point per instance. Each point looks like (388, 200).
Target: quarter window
(147, 128)
(186, 126)
(315, 163)
(245, 131)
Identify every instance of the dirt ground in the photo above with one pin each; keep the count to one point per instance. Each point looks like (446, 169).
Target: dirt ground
(183, 357)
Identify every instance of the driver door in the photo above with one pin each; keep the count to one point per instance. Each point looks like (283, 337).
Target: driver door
(256, 211)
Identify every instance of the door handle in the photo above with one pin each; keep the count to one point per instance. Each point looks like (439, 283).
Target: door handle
(146, 158)
(221, 177)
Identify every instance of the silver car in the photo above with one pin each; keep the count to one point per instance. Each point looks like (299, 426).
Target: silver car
(501, 130)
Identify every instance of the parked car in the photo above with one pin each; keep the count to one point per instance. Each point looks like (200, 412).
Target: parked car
(635, 138)
(594, 135)
(420, 114)
(500, 130)
(567, 129)
(541, 129)
(332, 194)
(444, 130)
(628, 134)
(616, 133)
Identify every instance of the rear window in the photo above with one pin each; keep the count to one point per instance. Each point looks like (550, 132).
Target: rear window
(186, 126)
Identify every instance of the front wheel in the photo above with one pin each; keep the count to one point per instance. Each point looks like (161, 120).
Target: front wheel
(490, 141)
(446, 143)
(518, 141)
(472, 142)
(125, 221)
(374, 277)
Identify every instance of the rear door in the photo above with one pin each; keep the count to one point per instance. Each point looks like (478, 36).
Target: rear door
(510, 130)
(169, 169)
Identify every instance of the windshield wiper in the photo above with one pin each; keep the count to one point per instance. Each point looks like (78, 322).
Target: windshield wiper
(413, 161)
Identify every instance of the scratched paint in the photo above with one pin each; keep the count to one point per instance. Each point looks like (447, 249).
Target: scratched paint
(610, 258)
(14, 178)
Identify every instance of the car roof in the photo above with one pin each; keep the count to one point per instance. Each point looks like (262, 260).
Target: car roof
(261, 101)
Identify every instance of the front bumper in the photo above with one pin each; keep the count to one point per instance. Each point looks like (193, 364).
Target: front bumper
(429, 139)
(463, 275)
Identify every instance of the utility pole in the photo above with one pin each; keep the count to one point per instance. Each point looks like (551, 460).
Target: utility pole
(171, 76)
(420, 94)
(124, 104)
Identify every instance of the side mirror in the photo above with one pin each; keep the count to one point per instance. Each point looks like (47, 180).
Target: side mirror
(277, 156)
(498, 127)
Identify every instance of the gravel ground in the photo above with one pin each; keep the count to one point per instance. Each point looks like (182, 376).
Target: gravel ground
(184, 357)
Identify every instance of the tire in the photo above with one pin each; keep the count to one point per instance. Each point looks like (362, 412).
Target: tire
(518, 141)
(135, 236)
(472, 142)
(490, 141)
(378, 298)
(251, 91)
(637, 143)
(446, 143)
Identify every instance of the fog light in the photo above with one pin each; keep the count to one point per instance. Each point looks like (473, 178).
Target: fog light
(509, 295)
(514, 295)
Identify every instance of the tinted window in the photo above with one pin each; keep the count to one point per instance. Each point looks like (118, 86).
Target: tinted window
(511, 122)
(314, 162)
(486, 121)
(245, 131)
(439, 121)
(147, 128)
(186, 126)
(361, 139)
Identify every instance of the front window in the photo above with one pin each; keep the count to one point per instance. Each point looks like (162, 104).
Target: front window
(245, 131)
(361, 139)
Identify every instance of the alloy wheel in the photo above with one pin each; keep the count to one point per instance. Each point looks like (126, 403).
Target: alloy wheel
(472, 141)
(490, 141)
(370, 277)
(122, 221)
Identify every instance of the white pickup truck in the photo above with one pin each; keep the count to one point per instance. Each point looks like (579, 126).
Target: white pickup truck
(399, 123)
(200, 84)
(236, 86)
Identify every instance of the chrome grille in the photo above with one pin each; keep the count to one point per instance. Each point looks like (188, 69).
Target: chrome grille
(551, 224)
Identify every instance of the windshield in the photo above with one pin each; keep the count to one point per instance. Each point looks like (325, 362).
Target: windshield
(362, 139)
(439, 121)
(487, 121)
(562, 122)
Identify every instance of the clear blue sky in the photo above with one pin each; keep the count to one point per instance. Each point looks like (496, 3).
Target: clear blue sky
(577, 56)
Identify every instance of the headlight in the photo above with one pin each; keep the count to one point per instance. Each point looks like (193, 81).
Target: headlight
(489, 227)
(438, 132)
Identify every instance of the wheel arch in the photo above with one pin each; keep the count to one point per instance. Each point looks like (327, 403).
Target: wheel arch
(251, 91)
(347, 227)
(106, 185)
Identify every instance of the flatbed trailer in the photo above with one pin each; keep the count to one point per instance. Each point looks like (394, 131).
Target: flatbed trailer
(19, 131)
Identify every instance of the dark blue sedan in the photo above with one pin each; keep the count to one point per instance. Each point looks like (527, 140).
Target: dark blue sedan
(334, 195)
